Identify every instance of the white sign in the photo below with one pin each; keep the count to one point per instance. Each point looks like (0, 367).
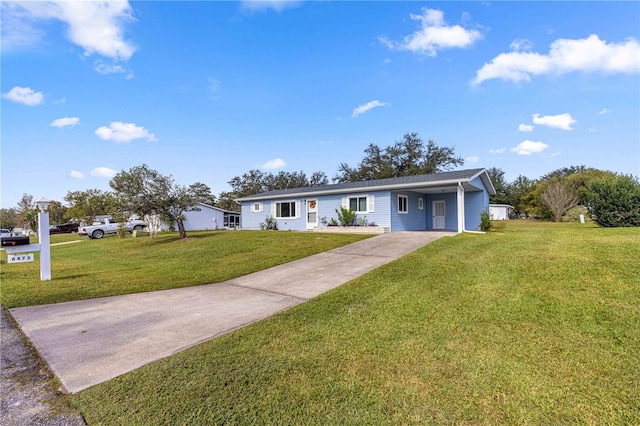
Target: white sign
(18, 258)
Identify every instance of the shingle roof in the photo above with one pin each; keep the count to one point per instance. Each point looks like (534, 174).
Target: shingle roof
(428, 179)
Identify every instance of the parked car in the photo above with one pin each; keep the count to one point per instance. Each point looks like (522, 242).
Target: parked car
(110, 226)
(8, 238)
(66, 228)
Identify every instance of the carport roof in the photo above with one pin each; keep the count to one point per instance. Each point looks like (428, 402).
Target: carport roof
(419, 183)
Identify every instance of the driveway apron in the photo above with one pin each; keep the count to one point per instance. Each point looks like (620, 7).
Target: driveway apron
(87, 342)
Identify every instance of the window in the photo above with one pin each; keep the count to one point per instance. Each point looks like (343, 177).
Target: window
(286, 210)
(403, 204)
(358, 204)
(256, 207)
(421, 203)
(231, 220)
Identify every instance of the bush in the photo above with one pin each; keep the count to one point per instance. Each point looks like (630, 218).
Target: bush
(346, 217)
(573, 215)
(269, 223)
(615, 202)
(485, 220)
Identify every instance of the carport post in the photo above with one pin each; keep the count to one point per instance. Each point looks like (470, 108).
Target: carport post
(43, 237)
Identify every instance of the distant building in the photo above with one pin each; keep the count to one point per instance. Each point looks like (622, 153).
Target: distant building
(500, 211)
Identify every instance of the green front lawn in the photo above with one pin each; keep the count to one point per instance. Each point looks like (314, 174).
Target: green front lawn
(112, 266)
(537, 324)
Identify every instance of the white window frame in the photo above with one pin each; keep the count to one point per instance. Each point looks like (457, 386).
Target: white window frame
(369, 202)
(257, 207)
(401, 203)
(420, 203)
(296, 206)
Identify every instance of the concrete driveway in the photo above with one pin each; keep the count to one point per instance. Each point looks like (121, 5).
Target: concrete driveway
(87, 342)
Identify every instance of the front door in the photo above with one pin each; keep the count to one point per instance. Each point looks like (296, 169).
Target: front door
(312, 214)
(438, 215)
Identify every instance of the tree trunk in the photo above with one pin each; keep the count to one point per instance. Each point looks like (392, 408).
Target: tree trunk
(183, 233)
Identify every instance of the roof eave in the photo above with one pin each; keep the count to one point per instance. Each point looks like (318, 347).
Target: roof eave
(398, 186)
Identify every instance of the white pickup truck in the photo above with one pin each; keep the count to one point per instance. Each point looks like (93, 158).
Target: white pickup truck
(110, 226)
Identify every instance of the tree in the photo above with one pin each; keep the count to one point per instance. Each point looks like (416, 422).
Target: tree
(615, 201)
(26, 208)
(559, 198)
(407, 157)
(256, 181)
(8, 218)
(84, 206)
(145, 191)
(57, 212)
(519, 191)
(500, 184)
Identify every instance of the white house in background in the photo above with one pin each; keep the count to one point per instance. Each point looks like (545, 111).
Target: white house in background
(209, 218)
(500, 211)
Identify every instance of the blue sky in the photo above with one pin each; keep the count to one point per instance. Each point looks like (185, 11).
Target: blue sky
(205, 91)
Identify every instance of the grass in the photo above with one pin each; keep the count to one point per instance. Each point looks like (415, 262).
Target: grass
(111, 266)
(536, 324)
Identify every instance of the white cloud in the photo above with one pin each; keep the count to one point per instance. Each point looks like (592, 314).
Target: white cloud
(76, 175)
(276, 163)
(262, 5)
(472, 160)
(105, 172)
(24, 95)
(521, 44)
(529, 147)
(497, 151)
(565, 56)
(96, 26)
(434, 34)
(561, 121)
(525, 128)
(65, 121)
(604, 111)
(121, 132)
(366, 107)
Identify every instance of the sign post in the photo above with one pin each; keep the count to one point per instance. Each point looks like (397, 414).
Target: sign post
(43, 237)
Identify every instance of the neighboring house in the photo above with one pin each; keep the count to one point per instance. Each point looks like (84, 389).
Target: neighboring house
(450, 201)
(500, 211)
(209, 217)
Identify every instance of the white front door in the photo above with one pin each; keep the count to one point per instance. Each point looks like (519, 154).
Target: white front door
(438, 215)
(312, 214)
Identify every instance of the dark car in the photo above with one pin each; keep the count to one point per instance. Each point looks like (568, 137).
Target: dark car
(66, 228)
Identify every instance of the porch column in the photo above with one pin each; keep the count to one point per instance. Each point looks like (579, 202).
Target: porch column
(460, 201)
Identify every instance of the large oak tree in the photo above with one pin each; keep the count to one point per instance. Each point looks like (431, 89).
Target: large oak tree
(145, 191)
(407, 157)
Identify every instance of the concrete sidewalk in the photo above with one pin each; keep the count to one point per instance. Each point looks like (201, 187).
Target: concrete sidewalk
(87, 342)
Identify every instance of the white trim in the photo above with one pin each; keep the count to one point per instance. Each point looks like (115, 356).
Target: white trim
(376, 188)
(369, 201)
(309, 210)
(406, 204)
(460, 202)
(259, 206)
(296, 206)
(420, 203)
(433, 214)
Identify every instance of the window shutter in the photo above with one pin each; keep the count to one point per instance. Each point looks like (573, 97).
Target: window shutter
(345, 202)
(260, 207)
(371, 203)
(297, 209)
(273, 209)
(252, 207)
